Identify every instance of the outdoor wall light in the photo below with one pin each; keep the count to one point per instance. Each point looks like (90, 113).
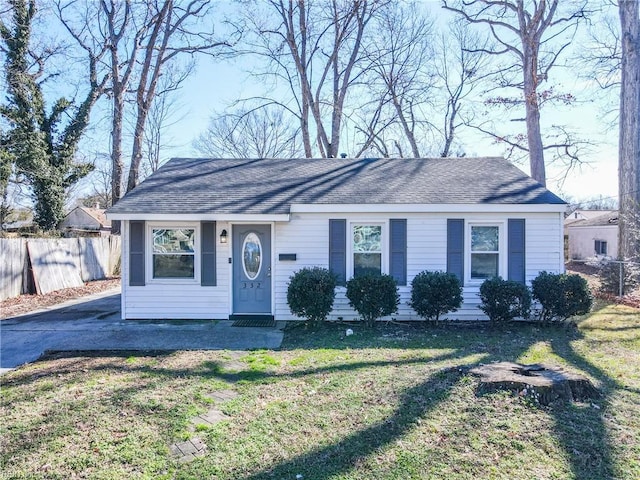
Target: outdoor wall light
(223, 236)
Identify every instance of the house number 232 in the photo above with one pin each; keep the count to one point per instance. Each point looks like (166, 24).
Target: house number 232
(250, 284)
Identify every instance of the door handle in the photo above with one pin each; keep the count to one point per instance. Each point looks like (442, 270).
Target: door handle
(269, 272)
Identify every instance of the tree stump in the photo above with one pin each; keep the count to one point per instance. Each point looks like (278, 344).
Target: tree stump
(542, 383)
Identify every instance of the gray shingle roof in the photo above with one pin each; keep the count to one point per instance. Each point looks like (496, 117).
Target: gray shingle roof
(606, 220)
(270, 186)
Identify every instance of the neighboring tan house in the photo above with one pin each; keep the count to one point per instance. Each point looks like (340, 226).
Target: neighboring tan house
(86, 221)
(220, 238)
(596, 237)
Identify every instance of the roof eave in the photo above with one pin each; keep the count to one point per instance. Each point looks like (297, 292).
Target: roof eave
(429, 208)
(197, 217)
(343, 208)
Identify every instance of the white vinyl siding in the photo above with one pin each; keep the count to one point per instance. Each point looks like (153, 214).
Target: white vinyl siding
(544, 245)
(163, 299)
(307, 236)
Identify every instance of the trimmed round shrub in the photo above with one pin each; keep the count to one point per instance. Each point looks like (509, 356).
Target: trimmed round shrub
(434, 294)
(561, 295)
(311, 292)
(373, 296)
(504, 300)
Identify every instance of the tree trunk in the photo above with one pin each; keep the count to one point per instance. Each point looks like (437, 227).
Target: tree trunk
(136, 153)
(118, 88)
(304, 127)
(449, 128)
(117, 165)
(302, 61)
(532, 109)
(530, 22)
(408, 131)
(49, 199)
(151, 66)
(629, 145)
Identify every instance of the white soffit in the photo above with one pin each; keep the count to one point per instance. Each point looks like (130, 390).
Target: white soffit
(427, 208)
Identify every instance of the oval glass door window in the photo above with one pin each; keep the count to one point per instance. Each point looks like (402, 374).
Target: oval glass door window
(251, 256)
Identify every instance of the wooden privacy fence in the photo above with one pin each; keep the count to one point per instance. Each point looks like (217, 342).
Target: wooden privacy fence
(43, 265)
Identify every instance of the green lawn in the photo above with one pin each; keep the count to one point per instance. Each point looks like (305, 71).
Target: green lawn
(394, 402)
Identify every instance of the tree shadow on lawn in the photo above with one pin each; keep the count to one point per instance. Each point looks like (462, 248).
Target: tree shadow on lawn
(582, 429)
(590, 455)
(340, 457)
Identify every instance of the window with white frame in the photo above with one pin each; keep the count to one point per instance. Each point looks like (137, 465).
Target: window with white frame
(601, 247)
(484, 252)
(173, 252)
(366, 248)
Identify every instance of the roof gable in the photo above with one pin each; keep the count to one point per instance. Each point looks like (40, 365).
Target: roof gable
(271, 186)
(84, 217)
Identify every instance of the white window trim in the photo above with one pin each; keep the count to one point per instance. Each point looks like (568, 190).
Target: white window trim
(502, 250)
(384, 261)
(149, 253)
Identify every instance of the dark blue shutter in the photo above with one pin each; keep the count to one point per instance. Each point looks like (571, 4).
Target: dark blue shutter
(398, 250)
(455, 247)
(516, 253)
(338, 249)
(136, 253)
(208, 254)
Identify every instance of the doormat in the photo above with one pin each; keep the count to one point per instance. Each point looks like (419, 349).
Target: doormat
(253, 321)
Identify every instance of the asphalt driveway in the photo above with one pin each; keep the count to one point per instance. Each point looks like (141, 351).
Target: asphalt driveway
(93, 323)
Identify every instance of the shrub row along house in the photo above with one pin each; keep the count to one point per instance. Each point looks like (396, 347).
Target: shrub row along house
(220, 238)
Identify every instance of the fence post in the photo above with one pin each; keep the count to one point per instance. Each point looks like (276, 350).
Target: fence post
(621, 280)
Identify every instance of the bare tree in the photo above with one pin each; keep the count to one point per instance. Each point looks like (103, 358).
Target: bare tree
(538, 28)
(629, 144)
(109, 22)
(315, 48)
(144, 39)
(461, 69)
(256, 133)
(100, 191)
(375, 125)
(177, 29)
(602, 54)
(599, 202)
(125, 30)
(427, 82)
(399, 56)
(122, 25)
(598, 61)
(164, 113)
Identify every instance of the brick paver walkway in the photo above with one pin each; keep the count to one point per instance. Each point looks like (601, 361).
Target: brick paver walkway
(189, 450)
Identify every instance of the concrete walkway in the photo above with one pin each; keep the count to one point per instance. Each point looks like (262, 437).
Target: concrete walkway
(93, 323)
